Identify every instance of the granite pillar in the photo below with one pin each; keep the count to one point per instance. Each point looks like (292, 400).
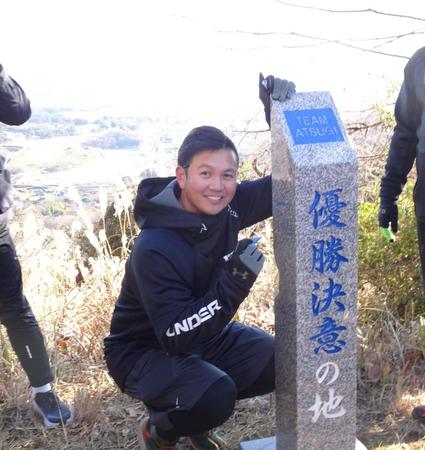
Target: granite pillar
(315, 187)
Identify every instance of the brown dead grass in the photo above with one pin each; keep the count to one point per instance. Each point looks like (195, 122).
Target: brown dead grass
(75, 318)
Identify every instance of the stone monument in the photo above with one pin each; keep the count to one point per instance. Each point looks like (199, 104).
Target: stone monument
(314, 172)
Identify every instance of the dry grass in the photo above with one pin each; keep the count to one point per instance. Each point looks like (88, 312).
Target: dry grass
(73, 300)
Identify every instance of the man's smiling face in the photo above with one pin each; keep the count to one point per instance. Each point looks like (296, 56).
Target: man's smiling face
(209, 183)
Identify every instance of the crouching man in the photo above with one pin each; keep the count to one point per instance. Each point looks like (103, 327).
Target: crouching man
(173, 343)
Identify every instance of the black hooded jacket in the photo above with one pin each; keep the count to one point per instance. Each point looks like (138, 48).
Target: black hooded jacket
(15, 107)
(177, 292)
(408, 141)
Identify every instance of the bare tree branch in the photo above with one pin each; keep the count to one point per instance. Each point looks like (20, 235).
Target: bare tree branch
(246, 132)
(368, 50)
(283, 33)
(368, 10)
(388, 39)
(265, 47)
(391, 39)
(322, 41)
(354, 127)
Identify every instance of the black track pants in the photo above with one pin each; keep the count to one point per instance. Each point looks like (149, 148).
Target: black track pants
(216, 405)
(16, 315)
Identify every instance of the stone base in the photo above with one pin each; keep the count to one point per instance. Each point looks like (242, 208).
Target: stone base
(259, 444)
(270, 444)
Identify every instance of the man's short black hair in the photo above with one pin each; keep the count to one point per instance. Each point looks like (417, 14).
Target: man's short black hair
(203, 138)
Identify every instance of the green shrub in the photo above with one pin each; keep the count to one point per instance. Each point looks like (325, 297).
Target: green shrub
(55, 208)
(389, 272)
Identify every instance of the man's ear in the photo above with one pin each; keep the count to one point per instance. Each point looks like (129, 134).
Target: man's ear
(181, 176)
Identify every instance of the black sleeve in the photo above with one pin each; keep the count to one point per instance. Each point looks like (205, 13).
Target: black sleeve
(254, 201)
(402, 153)
(180, 320)
(15, 107)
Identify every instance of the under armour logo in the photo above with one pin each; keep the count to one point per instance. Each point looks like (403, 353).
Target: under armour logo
(203, 228)
(231, 212)
(241, 275)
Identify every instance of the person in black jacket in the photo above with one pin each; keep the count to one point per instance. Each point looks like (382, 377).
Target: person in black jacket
(15, 312)
(172, 342)
(407, 146)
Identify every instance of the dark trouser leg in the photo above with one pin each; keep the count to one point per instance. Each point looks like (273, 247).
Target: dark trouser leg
(264, 384)
(189, 395)
(217, 404)
(186, 396)
(21, 325)
(211, 410)
(421, 239)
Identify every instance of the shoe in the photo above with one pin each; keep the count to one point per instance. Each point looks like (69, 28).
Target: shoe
(207, 441)
(148, 441)
(51, 409)
(418, 413)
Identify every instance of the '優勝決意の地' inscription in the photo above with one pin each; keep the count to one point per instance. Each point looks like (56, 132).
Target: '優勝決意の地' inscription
(313, 126)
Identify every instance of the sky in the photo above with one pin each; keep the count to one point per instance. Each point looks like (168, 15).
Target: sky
(196, 58)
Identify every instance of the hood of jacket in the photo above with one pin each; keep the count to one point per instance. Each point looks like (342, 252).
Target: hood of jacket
(157, 205)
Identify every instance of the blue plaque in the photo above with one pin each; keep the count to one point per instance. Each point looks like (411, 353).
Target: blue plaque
(313, 126)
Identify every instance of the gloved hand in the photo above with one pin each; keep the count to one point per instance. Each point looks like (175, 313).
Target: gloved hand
(279, 90)
(246, 261)
(388, 214)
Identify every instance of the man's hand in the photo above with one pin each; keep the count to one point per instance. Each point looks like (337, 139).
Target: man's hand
(277, 88)
(388, 215)
(246, 261)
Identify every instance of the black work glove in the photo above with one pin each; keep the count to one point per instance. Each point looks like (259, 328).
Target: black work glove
(246, 261)
(388, 214)
(277, 88)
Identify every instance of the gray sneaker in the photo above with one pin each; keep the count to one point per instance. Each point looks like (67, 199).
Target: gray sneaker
(51, 409)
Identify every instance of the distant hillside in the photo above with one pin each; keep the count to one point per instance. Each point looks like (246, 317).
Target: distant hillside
(114, 140)
(47, 123)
